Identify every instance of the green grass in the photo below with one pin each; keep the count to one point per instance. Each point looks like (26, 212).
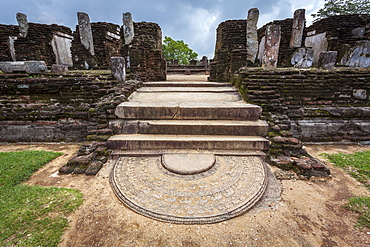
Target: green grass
(358, 166)
(31, 215)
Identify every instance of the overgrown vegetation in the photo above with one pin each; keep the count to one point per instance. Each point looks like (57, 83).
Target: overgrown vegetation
(358, 166)
(343, 7)
(31, 215)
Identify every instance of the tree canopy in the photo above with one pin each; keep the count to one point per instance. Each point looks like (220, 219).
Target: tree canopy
(343, 7)
(177, 49)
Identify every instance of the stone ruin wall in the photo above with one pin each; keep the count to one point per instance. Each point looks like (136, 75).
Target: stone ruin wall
(36, 46)
(59, 45)
(336, 33)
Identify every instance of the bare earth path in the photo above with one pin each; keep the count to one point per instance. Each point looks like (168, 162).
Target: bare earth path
(309, 214)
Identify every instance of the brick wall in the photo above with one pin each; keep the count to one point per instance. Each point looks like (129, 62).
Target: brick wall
(311, 105)
(72, 108)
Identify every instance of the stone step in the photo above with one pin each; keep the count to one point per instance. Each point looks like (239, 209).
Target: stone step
(187, 89)
(188, 111)
(155, 152)
(178, 97)
(208, 142)
(186, 84)
(191, 127)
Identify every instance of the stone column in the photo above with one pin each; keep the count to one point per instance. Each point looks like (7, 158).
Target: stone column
(118, 68)
(252, 39)
(23, 24)
(272, 45)
(84, 27)
(128, 28)
(299, 22)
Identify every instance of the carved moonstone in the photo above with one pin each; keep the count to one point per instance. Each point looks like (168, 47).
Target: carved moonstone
(272, 45)
(84, 28)
(252, 38)
(118, 68)
(298, 28)
(128, 28)
(23, 24)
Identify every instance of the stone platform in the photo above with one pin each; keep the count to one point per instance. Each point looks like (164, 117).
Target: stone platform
(190, 153)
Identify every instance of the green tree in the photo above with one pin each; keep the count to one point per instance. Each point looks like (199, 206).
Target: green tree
(177, 49)
(342, 7)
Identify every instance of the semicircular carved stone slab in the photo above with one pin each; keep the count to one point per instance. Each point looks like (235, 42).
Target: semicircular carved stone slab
(228, 189)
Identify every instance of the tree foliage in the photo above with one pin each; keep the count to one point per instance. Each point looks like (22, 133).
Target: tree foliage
(343, 7)
(177, 49)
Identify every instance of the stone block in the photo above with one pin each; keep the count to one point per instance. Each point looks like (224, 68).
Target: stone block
(59, 69)
(118, 69)
(358, 55)
(26, 66)
(327, 59)
(318, 43)
(302, 58)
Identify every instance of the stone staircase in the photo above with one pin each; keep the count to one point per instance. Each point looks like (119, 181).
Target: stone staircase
(188, 115)
(190, 153)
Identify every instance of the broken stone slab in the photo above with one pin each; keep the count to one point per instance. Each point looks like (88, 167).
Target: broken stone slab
(327, 59)
(318, 43)
(298, 28)
(59, 69)
(12, 39)
(272, 46)
(118, 68)
(252, 39)
(302, 58)
(84, 28)
(261, 50)
(358, 55)
(128, 28)
(23, 24)
(25, 66)
(62, 44)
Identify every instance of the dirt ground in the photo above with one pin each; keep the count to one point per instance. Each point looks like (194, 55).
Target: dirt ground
(309, 214)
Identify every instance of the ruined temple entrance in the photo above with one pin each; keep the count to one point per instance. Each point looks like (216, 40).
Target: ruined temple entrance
(190, 153)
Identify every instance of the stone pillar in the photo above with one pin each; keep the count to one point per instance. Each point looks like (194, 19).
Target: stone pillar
(23, 24)
(327, 59)
(252, 38)
(272, 45)
(299, 22)
(261, 50)
(11, 41)
(118, 68)
(128, 28)
(84, 28)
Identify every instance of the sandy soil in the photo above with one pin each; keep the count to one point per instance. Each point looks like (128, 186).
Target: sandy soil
(309, 214)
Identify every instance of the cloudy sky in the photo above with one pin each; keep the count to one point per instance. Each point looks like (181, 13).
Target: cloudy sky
(193, 21)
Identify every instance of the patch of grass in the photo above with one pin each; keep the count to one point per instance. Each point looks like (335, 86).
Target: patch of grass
(32, 215)
(358, 166)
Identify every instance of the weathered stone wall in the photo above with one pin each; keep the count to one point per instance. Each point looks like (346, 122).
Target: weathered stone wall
(36, 46)
(144, 53)
(285, 52)
(107, 43)
(73, 108)
(339, 30)
(311, 105)
(230, 50)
